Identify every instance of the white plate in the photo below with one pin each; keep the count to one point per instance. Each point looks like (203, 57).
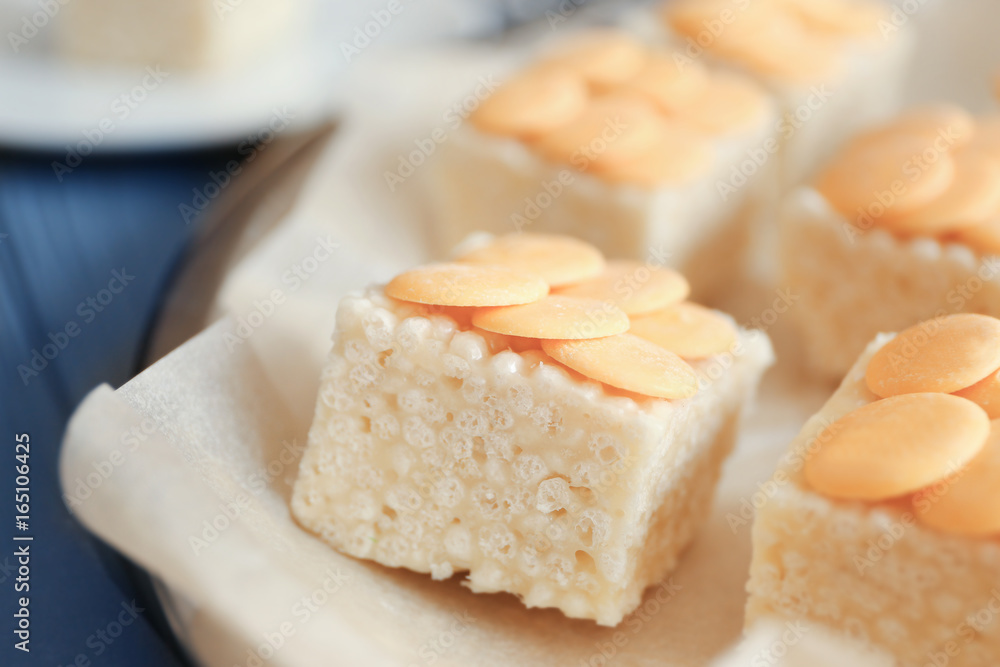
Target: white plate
(49, 105)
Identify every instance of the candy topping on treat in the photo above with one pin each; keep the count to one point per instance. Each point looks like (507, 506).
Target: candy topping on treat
(499, 290)
(788, 39)
(560, 260)
(625, 125)
(680, 156)
(942, 355)
(933, 171)
(644, 119)
(533, 103)
(896, 446)
(730, 103)
(627, 362)
(689, 330)
(972, 197)
(968, 502)
(941, 447)
(633, 287)
(554, 316)
(467, 285)
(985, 394)
(891, 165)
(604, 58)
(669, 86)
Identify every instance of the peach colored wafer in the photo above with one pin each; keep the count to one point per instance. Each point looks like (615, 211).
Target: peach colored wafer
(627, 362)
(896, 446)
(972, 198)
(554, 317)
(533, 103)
(680, 156)
(985, 394)
(466, 285)
(602, 57)
(668, 85)
(946, 355)
(838, 17)
(633, 287)
(967, 503)
(687, 329)
(780, 49)
(984, 237)
(951, 123)
(611, 130)
(892, 169)
(728, 104)
(560, 260)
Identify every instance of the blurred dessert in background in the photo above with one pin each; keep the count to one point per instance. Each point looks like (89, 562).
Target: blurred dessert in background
(179, 34)
(612, 141)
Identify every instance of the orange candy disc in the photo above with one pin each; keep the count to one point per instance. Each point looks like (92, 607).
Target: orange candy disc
(951, 126)
(728, 104)
(612, 130)
(466, 285)
(559, 260)
(896, 446)
(680, 156)
(985, 394)
(893, 169)
(554, 317)
(627, 362)
(604, 58)
(966, 503)
(633, 287)
(972, 198)
(945, 355)
(984, 237)
(533, 103)
(687, 329)
(670, 86)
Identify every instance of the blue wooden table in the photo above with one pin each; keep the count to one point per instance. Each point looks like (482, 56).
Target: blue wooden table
(84, 264)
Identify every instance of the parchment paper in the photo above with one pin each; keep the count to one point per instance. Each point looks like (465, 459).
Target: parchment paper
(203, 448)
